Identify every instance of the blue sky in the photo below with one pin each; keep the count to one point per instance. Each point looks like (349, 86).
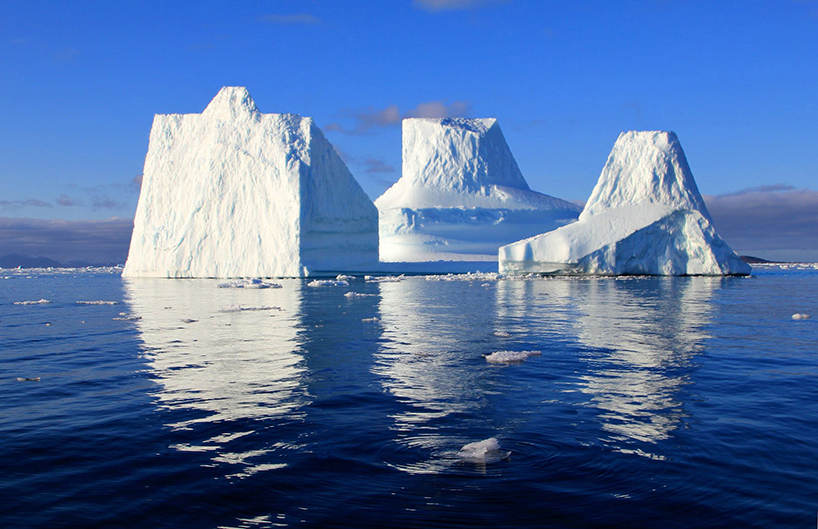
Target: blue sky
(736, 80)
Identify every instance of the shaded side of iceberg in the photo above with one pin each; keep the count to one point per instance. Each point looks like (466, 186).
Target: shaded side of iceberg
(645, 216)
(461, 195)
(232, 192)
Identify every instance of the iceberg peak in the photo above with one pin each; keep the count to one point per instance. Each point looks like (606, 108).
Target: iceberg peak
(646, 168)
(230, 103)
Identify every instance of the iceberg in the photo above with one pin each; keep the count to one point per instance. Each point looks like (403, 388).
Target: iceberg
(234, 193)
(645, 216)
(461, 195)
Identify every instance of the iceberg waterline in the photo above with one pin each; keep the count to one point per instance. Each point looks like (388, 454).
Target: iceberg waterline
(234, 193)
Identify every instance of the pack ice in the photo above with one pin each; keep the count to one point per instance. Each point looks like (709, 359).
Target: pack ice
(232, 192)
(645, 216)
(461, 195)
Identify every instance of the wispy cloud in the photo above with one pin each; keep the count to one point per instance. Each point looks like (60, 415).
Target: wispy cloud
(767, 218)
(366, 120)
(434, 6)
(88, 241)
(30, 202)
(295, 19)
(377, 165)
(65, 200)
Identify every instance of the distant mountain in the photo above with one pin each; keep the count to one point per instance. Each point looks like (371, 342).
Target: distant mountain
(753, 260)
(26, 261)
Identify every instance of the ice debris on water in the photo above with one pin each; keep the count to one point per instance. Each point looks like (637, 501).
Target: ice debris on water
(358, 295)
(509, 357)
(370, 320)
(235, 307)
(249, 283)
(26, 379)
(502, 334)
(97, 302)
(38, 302)
(124, 316)
(342, 277)
(327, 283)
(485, 451)
(798, 316)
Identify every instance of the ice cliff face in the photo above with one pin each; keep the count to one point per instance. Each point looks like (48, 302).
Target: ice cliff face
(645, 216)
(232, 192)
(461, 195)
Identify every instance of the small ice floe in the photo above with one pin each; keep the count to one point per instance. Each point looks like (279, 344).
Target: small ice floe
(358, 295)
(370, 320)
(124, 316)
(235, 307)
(486, 451)
(38, 302)
(97, 302)
(342, 277)
(26, 379)
(510, 357)
(249, 283)
(327, 283)
(384, 279)
(502, 334)
(797, 316)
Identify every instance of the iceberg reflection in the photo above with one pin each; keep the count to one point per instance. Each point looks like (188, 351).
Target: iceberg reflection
(433, 370)
(644, 333)
(222, 356)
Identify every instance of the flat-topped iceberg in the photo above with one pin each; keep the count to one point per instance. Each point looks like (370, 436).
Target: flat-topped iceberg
(645, 216)
(461, 195)
(232, 192)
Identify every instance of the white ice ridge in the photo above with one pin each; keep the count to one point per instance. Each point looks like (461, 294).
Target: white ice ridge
(461, 195)
(645, 216)
(232, 192)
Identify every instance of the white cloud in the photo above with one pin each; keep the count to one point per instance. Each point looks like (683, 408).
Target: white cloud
(434, 6)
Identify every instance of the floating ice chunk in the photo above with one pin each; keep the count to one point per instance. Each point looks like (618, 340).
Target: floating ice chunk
(358, 295)
(26, 379)
(342, 277)
(800, 316)
(249, 283)
(38, 302)
(370, 320)
(509, 357)
(327, 283)
(97, 302)
(486, 451)
(384, 279)
(502, 334)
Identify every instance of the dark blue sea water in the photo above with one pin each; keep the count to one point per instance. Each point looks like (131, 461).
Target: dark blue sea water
(655, 402)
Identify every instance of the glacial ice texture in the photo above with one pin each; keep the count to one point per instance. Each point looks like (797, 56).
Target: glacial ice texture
(234, 193)
(461, 195)
(645, 216)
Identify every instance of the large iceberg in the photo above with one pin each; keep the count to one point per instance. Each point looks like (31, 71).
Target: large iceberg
(232, 192)
(461, 195)
(645, 216)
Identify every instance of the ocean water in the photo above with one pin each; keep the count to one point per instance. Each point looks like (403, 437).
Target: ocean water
(641, 402)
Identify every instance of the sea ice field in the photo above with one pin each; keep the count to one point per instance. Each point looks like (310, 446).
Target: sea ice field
(469, 400)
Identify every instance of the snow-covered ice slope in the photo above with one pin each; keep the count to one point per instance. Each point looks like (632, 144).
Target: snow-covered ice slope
(645, 216)
(232, 192)
(461, 195)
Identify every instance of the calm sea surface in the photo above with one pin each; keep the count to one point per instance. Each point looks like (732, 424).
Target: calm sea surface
(655, 402)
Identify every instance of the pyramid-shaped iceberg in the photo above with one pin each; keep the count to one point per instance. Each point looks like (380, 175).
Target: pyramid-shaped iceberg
(645, 216)
(232, 192)
(461, 195)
